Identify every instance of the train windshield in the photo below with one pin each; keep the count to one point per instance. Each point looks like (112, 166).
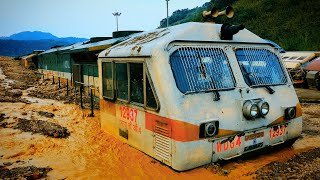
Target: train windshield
(260, 67)
(198, 69)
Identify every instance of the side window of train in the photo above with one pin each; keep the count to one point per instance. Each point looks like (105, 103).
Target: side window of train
(122, 81)
(136, 83)
(131, 84)
(107, 80)
(150, 99)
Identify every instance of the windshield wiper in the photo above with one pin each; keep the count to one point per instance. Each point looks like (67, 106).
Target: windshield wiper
(247, 75)
(270, 90)
(216, 95)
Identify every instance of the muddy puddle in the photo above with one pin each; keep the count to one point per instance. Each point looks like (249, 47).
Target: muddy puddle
(89, 153)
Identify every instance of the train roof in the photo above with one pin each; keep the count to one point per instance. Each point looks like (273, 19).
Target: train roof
(100, 45)
(88, 46)
(294, 59)
(145, 44)
(63, 48)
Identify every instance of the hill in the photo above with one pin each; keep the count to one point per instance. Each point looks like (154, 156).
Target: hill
(28, 35)
(293, 24)
(25, 42)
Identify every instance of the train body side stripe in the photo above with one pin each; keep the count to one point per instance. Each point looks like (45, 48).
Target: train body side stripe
(281, 119)
(180, 131)
(108, 107)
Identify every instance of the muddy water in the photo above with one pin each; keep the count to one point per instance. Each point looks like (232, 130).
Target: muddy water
(4, 81)
(90, 153)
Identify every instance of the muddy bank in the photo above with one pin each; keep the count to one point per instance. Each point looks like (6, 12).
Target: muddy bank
(302, 166)
(45, 88)
(29, 172)
(311, 119)
(14, 78)
(42, 127)
(18, 77)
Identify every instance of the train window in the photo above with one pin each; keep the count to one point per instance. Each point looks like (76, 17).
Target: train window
(136, 83)
(197, 69)
(122, 81)
(150, 99)
(107, 80)
(260, 67)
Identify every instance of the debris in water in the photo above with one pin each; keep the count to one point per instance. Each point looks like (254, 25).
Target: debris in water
(7, 163)
(29, 172)
(14, 93)
(46, 114)
(42, 127)
(2, 116)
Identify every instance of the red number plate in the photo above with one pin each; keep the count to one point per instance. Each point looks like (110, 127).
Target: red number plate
(278, 131)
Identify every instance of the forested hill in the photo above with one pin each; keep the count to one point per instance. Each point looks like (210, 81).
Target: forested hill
(293, 24)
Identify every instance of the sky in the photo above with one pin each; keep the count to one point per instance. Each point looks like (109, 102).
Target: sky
(85, 18)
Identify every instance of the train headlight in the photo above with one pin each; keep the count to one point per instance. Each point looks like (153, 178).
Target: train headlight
(250, 110)
(264, 108)
(210, 129)
(290, 113)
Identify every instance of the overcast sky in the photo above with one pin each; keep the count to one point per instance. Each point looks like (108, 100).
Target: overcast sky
(85, 18)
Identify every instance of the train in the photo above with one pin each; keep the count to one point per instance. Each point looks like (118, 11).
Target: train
(304, 68)
(190, 94)
(196, 93)
(76, 64)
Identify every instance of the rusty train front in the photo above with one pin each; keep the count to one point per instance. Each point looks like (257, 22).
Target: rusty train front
(187, 96)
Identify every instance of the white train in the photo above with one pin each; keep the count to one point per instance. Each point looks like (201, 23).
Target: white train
(196, 93)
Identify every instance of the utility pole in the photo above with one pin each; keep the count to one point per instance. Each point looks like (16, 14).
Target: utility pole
(117, 14)
(167, 13)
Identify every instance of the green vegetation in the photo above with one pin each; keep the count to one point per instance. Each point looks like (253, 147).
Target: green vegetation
(293, 24)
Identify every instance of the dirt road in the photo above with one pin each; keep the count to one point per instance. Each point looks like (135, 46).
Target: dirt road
(76, 148)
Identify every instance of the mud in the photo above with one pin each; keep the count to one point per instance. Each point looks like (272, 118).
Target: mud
(29, 172)
(11, 95)
(20, 77)
(46, 114)
(301, 166)
(89, 153)
(46, 89)
(42, 127)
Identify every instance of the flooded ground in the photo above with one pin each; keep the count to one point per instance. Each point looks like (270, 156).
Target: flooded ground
(88, 153)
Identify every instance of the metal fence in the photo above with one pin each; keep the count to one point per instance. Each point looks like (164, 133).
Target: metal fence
(76, 89)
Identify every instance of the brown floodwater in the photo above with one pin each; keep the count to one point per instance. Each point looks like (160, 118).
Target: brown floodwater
(89, 153)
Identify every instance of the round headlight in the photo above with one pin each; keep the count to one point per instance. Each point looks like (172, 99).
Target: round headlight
(264, 108)
(250, 110)
(254, 110)
(291, 113)
(210, 129)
